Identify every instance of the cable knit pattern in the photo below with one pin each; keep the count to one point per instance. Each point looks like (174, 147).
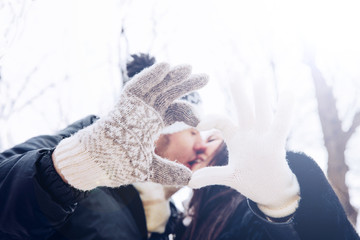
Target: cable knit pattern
(119, 148)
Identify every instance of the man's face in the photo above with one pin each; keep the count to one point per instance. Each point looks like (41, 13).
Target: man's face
(188, 148)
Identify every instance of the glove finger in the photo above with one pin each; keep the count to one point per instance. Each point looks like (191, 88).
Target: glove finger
(175, 76)
(262, 99)
(144, 81)
(282, 120)
(223, 123)
(193, 83)
(211, 176)
(167, 172)
(243, 105)
(181, 111)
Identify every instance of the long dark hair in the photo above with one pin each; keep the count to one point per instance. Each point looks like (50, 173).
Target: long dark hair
(211, 207)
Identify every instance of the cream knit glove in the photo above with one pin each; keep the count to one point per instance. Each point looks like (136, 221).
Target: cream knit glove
(257, 165)
(119, 148)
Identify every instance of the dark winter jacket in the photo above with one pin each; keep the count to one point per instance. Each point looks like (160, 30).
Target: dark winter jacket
(34, 201)
(319, 215)
(36, 204)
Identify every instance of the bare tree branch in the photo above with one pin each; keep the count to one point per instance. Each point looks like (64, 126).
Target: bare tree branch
(123, 52)
(335, 138)
(154, 27)
(24, 86)
(15, 12)
(33, 98)
(353, 127)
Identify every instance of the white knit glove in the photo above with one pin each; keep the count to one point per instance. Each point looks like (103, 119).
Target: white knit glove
(257, 165)
(118, 149)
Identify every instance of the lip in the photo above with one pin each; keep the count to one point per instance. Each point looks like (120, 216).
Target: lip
(194, 162)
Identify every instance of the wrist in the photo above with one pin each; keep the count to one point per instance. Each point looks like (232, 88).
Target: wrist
(282, 210)
(254, 207)
(75, 166)
(53, 183)
(284, 201)
(285, 219)
(56, 167)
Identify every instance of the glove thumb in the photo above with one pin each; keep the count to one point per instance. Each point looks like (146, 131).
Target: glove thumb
(166, 172)
(220, 122)
(181, 111)
(217, 175)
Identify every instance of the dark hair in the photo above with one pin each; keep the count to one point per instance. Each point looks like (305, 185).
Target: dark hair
(211, 207)
(138, 63)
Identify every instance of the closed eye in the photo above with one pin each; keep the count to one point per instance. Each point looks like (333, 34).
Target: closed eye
(214, 137)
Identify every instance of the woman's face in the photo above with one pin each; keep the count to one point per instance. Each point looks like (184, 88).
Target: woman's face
(212, 141)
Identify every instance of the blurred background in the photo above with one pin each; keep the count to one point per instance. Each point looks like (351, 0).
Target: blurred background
(61, 60)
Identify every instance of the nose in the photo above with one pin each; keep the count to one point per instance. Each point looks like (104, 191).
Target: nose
(200, 146)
